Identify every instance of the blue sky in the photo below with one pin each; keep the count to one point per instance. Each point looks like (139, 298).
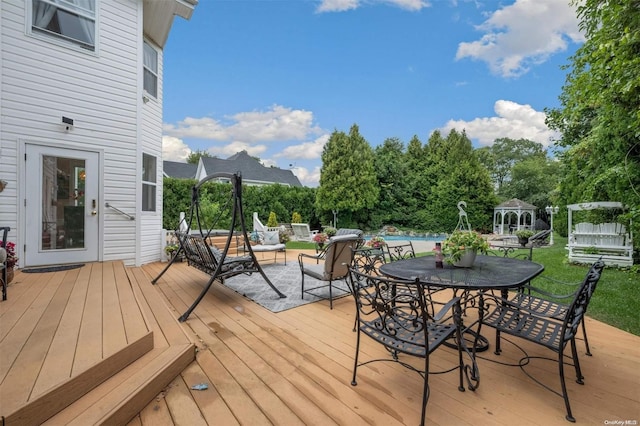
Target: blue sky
(276, 77)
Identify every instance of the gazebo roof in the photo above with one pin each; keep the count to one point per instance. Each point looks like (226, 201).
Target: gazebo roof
(515, 204)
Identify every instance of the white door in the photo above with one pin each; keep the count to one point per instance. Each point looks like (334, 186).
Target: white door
(62, 200)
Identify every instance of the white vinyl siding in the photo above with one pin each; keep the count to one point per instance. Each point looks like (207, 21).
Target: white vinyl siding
(43, 81)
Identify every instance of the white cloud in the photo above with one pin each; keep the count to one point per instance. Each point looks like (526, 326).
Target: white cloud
(512, 121)
(306, 177)
(523, 34)
(306, 150)
(275, 124)
(227, 150)
(344, 5)
(174, 149)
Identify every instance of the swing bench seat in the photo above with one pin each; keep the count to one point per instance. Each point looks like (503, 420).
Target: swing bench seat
(206, 258)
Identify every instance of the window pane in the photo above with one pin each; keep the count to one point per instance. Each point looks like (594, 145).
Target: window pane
(66, 19)
(148, 168)
(148, 198)
(150, 83)
(150, 62)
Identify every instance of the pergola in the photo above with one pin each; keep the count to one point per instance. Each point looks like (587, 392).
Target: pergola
(513, 215)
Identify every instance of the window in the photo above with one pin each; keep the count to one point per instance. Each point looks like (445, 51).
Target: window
(73, 21)
(148, 183)
(150, 63)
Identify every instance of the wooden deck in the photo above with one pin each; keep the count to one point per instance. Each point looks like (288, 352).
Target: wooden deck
(293, 367)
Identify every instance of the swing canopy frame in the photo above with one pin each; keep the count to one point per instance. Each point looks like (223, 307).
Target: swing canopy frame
(207, 258)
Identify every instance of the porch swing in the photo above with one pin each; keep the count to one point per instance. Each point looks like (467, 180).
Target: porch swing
(210, 259)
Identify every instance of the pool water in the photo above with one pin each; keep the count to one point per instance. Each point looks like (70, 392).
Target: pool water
(409, 237)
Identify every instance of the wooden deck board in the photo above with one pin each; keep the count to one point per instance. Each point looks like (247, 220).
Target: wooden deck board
(293, 367)
(311, 349)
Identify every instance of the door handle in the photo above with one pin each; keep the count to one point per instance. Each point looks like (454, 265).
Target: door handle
(93, 206)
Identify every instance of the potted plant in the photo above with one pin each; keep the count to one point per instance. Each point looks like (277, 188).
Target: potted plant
(171, 250)
(376, 242)
(330, 231)
(11, 260)
(460, 248)
(320, 239)
(523, 236)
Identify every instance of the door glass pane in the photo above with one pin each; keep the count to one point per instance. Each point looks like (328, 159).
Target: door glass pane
(63, 201)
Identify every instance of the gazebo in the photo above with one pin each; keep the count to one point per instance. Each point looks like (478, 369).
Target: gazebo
(513, 215)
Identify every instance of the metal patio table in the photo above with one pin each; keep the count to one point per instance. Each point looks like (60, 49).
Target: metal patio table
(488, 273)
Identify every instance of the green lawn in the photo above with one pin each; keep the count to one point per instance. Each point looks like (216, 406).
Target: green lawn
(617, 297)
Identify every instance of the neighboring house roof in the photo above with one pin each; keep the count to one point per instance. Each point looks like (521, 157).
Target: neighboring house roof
(252, 172)
(176, 169)
(514, 203)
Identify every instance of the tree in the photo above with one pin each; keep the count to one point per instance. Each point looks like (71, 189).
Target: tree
(504, 154)
(194, 156)
(459, 176)
(599, 117)
(347, 179)
(391, 172)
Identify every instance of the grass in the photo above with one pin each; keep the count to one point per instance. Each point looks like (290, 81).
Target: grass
(615, 301)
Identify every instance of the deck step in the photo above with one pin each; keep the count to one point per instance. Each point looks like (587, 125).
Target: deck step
(123, 396)
(66, 393)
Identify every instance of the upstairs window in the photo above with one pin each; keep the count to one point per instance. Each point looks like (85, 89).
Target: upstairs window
(150, 63)
(148, 183)
(73, 21)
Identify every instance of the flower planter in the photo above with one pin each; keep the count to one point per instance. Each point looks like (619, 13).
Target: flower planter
(467, 259)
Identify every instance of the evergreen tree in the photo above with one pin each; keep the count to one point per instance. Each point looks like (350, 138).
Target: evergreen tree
(347, 179)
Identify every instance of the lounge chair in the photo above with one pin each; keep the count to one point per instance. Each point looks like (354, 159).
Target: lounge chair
(302, 232)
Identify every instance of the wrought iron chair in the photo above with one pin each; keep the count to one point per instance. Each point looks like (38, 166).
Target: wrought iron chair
(332, 264)
(399, 251)
(519, 317)
(552, 305)
(4, 231)
(396, 314)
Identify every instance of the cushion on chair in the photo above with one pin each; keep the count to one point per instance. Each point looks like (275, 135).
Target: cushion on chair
(271, 237)
(3, 254)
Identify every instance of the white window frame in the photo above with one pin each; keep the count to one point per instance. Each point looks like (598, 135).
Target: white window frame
(48, 9)
(147, 63)
(149, 186)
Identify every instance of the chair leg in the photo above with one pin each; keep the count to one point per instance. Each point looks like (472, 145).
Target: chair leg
(586, 341)
(576, 362)
(330, 295)
(355, 362)
(425, 391)
(302, 292)
(498, 350)
(569, 416)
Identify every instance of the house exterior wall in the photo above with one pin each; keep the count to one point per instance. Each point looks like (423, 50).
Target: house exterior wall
(42, 80)
(150, 246)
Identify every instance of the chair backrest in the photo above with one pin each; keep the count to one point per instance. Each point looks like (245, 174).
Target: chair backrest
(349, 231)
(397, 309)
(580, 303)
(338, 257)
(400, 251)
(367, 260)
(4, 232)
(301, 231)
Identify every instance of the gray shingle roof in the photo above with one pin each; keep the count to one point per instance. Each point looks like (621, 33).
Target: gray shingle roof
(250, 169)
(516, 203)
(176, 169)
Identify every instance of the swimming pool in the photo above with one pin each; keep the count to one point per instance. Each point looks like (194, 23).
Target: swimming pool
(434, 237)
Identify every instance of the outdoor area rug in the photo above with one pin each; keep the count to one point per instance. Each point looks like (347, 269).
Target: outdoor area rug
(288, 279)
(52, 268)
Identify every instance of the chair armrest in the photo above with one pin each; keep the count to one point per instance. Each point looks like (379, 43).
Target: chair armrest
(446, 308)
(317, 256)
